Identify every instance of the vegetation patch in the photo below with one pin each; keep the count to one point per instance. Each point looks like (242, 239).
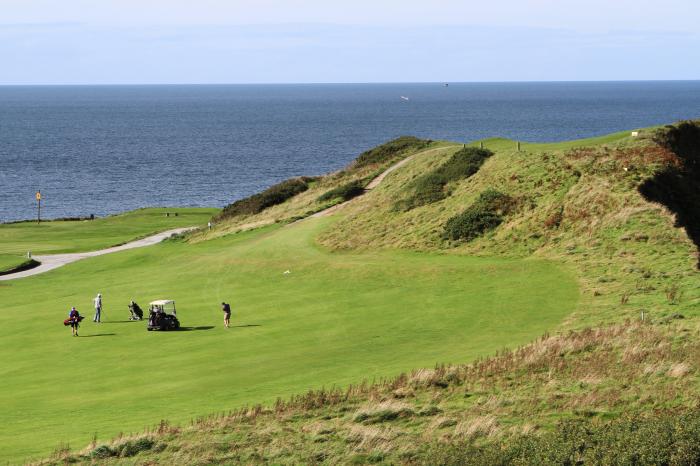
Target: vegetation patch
(390, 150)
(275, 194)
(665, 438)
(484, 215)
(344, 192)
(431, 187)
(382, 412)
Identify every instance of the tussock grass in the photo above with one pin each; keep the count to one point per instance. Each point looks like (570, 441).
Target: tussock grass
(384, 411)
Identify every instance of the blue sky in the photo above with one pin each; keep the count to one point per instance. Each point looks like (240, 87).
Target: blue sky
(216, 41)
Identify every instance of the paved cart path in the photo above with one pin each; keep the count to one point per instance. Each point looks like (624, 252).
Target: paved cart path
(54, 261)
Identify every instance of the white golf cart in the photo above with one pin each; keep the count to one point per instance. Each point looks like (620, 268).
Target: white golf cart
(162, 315)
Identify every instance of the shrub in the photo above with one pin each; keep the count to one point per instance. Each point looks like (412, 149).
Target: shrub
(430, 187)
(103, 451)
(276, 194)
(134, 447)
(389, 150)
(661, 439)
(344, 192)
(484, 215)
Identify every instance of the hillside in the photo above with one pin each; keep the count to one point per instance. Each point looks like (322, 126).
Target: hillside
(616, 214)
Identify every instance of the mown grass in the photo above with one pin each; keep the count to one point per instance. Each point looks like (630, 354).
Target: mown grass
(52, 237)
(334, 319)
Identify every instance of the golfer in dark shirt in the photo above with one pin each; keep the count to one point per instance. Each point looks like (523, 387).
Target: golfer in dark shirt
(227, 313)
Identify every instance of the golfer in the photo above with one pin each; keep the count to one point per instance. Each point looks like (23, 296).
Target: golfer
(227, 313)
(74, 320)
(98, 307)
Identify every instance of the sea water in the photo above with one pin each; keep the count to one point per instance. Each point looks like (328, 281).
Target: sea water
(105, 149)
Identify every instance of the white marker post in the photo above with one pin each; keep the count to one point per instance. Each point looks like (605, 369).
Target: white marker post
(38, 213)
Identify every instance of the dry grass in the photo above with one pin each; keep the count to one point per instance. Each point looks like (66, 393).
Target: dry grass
(480, 426)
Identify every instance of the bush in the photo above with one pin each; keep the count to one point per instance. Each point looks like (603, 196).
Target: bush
(430, 187)
(389, 150)
(103, 451)
(344, 192)
(134, 447)
(484, 215)
(273, 195)
(661, 439)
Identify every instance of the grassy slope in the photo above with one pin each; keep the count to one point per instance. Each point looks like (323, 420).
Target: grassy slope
(306, 203)
(334, 319)
(617, 243)
(612, 240)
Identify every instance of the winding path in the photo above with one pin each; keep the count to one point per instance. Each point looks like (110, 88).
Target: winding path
(372, 184)
(53, 261)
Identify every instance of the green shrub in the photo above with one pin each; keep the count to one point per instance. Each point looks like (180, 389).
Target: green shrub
(134, 447)
(276, 194)
(102, 451)
(485, 214)
(431, 187)
(667, 439)
(390, 150)
(344, 192)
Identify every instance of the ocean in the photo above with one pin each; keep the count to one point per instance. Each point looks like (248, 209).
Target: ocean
(106, 149)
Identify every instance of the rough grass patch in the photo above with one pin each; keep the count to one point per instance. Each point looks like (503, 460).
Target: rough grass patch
(382, 412)
(480, 426)
(431, 187)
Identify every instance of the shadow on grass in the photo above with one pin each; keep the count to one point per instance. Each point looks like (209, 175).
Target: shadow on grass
(245, 325)
(189, 329)
(98, 335)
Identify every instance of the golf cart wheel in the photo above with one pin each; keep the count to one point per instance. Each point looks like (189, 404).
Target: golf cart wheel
(149, 328)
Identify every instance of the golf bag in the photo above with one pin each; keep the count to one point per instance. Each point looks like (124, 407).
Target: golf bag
(136, 311)
(71, 320)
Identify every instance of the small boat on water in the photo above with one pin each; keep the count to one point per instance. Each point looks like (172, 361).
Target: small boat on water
(403, 97)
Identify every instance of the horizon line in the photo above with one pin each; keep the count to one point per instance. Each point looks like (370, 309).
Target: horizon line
(318, 83)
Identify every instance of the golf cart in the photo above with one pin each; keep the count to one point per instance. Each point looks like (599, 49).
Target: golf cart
(162, 315)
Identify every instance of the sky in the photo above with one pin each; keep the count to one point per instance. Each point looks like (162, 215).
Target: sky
(313, 41)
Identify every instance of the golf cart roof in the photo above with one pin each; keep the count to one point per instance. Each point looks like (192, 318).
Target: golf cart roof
(161, 302)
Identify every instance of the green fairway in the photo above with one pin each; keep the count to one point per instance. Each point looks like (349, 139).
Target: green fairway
(60, 236)
(334, 319)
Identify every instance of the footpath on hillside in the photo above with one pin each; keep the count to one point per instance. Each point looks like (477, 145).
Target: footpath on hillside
(53, 261)
(372, 184)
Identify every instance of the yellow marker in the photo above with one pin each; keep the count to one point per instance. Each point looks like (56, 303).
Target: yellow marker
(38, 195)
